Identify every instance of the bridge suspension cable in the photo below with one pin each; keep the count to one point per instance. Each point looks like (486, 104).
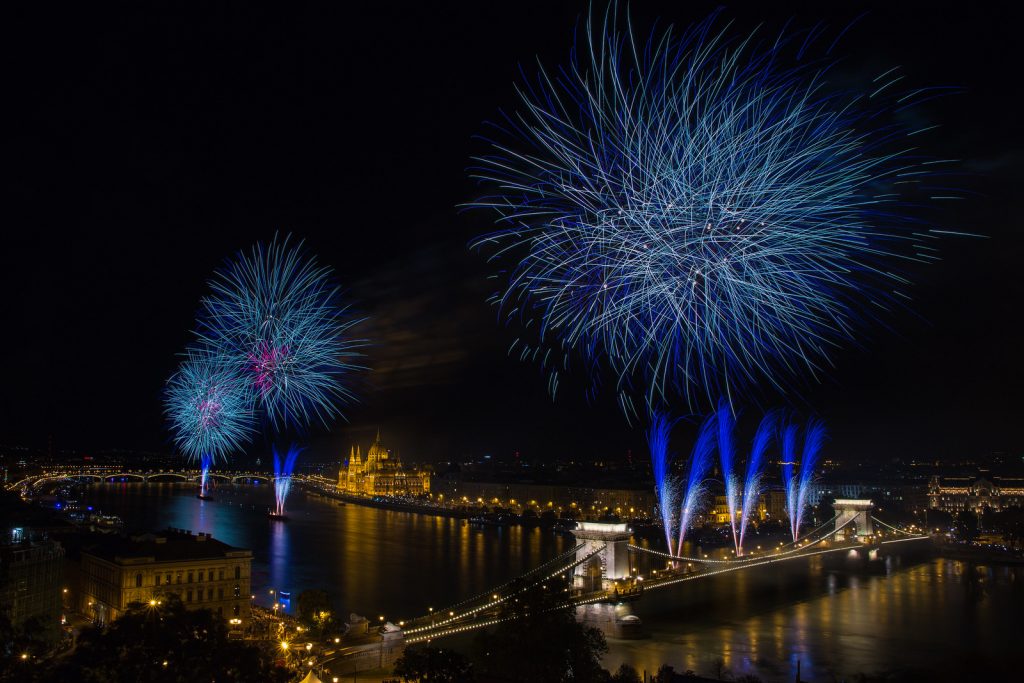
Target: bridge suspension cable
(890, 526)
(538, 568)
(495, 602)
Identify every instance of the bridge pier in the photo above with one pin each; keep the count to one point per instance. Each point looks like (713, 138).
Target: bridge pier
(609, 545)
(853, 518)
(608, 570)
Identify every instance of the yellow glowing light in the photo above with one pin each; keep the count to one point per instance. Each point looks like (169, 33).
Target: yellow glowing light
(284, 644)
(152, 603)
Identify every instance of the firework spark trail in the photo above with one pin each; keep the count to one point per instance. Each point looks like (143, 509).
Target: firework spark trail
(208, 406)
(665, 488)
(275, 313)
(700, 463)
(789, 479)
(726, 456)
(814, 439)
(697, 215)
(755, 473)
(283, 475)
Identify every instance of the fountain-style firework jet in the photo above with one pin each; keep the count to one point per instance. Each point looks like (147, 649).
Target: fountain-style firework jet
(789, 480)
(283, 476)
(814, 439)
(205, 464)
(755, 472)
(726, 455)
(664, 484)
(700, 463)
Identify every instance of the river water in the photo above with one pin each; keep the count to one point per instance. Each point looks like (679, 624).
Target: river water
(929, 620)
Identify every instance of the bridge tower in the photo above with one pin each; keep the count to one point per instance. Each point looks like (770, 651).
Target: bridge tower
(858, 510)
(609, 563)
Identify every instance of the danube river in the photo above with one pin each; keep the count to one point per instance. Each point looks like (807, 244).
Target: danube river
(936, 619)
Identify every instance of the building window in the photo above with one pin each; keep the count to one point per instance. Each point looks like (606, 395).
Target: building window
(168, 578)
(238, 573)
(210, 577)
(199, 595)
(157, 580)
(191, 575)
(178, 577)
(200, 577)
(189, 596)
(221, 574)
(220, 593)
(209, 594)
(138, 580)
(238, 591)
(236, 610)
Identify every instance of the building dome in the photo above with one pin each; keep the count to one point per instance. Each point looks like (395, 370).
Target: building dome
(377, 450)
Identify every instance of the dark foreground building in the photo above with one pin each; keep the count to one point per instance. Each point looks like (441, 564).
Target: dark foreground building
(31, 579)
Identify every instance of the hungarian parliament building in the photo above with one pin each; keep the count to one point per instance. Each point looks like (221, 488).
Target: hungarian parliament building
(380, 474)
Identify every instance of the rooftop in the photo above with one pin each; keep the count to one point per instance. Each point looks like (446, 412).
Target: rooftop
(171, 545)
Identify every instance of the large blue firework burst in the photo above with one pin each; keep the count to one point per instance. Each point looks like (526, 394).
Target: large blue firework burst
(701, 213)
(274, 313)
(209, 406)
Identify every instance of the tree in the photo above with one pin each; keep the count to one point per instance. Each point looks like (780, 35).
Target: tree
(666, 674)
(434, 665)
(541, 641)
(311, 603)
(719, 669)
(164, 644)
(966, 525)
(626, 674)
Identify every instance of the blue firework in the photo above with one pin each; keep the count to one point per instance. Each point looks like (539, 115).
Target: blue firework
(700, 213)
(275, 314)
(209, 407)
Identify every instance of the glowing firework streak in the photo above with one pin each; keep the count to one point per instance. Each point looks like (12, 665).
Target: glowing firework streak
(283, 476)
(664, 485)
(701, 213)
(726, 456)
(205, 465)
(700, 463)
(208, 406)
(755, 472)
(814, 439)
(274, 313)
(789, 480)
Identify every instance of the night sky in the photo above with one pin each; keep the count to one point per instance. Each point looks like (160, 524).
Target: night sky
(147, 145)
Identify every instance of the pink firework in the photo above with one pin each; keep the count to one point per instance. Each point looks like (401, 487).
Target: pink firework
(209, 410)
(265, 364)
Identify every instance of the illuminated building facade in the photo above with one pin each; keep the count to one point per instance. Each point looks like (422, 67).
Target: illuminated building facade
(380, 474)
(770, 505)
(205, 573)
(955, 494)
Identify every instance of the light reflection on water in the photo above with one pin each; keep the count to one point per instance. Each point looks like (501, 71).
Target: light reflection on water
(939, 616)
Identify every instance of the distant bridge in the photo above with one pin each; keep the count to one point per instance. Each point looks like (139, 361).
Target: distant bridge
(99, 474)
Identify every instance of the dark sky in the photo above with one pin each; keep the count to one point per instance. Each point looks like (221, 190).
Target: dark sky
(149, 144)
